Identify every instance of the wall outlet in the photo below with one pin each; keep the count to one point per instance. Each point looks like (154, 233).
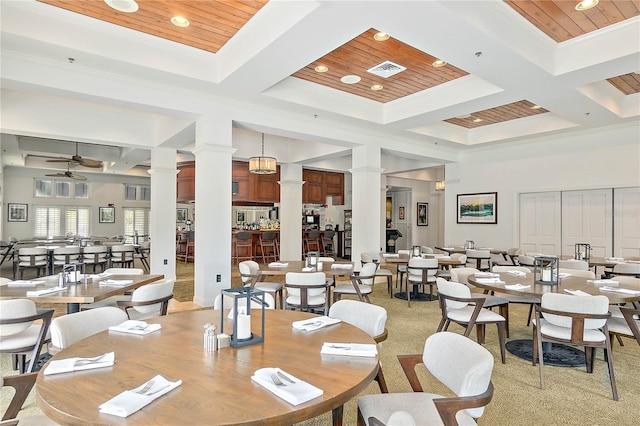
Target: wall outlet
(165, 261)
(218, 278)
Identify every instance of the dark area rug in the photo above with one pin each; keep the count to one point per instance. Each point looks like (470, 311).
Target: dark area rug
(558, 356)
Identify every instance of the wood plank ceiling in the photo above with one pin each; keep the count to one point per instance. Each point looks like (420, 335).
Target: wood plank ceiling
(213, 23)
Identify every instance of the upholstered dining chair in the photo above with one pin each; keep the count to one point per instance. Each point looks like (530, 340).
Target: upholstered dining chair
(457, 305)
(624, 269)
(511, 257)
(306, 291)
(64, 256)
(512, 298)
(19, 336)
(470, 380)
(31, 258)
(628, 325)
(361, 285)
(526, 261)
(421, 272)
(479, 259)
(445, 272)
(581, 265)
(250, 274)
(573, 320)
(95, 256)
(122, 254)
(369, 318)
(68, 329)
(143, 254)
(22, 385)
(400, 268)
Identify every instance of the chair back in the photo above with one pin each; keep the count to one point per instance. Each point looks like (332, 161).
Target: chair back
(426, 250)
(481, 256)
(368, 270)
(462, 258)
(32, 256)
(124, 271)
(580, 265)
(5, 281)
(404, 254)
(526, 260)
(632, 269)
(366, 257)
(16, 308)
(628, 281)
(153, 291)
(368, 317)
(418, 262)
(598, 305)
(328, 235)
(326, 259)
(590, 275)
(246, 268)
(94, 254)
(310, 279)
(68, 329)
(459, 363)
(122, 253)
(454, 289)
(62, 255)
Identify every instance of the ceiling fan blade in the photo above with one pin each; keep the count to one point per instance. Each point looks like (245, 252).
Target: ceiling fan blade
(60, 160)
(77, 177)
(86, 162)
(60, 175)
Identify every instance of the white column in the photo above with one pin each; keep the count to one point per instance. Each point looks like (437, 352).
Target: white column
(163, 219)
(366, 210)
(212, 222)
(290, 211)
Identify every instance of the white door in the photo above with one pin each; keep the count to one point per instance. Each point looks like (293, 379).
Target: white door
(540, 223)
(586, 218)
(626, 219)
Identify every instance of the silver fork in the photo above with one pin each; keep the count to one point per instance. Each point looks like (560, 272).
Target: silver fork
(94, 360)
(276, 380)
(146, 387)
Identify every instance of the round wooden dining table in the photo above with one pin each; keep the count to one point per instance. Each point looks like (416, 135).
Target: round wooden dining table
(216, 386)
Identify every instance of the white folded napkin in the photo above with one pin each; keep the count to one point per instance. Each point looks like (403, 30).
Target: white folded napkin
(615, 259)
(308, 269)
(350, 349)
(278, 265)
(441, 256)
(599, 283)
(341, 266)
(44, 291)
(294, 393)
(130, 401)
(314, 323)
(135, 327)
(516, 286)
(116, 283)
(563, 274)
(486, 274)
(101, 275)
(69, 365)
(576, 292)
(391, 255)
(620, 290)
(448, 248)
(493, 280)
(25, 283)
(517, 273)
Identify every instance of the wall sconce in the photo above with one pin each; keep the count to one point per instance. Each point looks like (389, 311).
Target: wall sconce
(545, 270)
(440, 185)
(242, 314)
(583, 251)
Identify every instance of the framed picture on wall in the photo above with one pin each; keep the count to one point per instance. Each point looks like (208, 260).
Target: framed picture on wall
(181, 215)
(423, 214)
(478, 208)
(17, 212)
(106, 214)
(401, 213)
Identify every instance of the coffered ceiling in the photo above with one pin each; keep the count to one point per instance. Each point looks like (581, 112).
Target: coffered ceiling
(509, 69)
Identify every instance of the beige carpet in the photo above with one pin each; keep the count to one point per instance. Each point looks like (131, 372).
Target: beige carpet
(571, 397)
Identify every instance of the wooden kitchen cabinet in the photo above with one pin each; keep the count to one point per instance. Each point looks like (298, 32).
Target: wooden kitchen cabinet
(319, 185)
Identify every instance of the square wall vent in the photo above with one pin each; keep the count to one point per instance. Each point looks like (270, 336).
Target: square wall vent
(386, 69)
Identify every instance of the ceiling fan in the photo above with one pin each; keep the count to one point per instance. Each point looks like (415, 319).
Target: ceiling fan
(76, 159)
(68, 174)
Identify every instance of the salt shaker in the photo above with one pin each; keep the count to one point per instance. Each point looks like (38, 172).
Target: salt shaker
(210, 338)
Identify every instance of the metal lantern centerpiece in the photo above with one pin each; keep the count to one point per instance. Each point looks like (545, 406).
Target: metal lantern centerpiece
(415, 251)
(469, 245)
(545, 270)
(242, 314)
(313, 257)
(583, 251)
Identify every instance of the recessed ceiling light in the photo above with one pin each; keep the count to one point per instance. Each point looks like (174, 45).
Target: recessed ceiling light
(586, 4)
(477, 120)
(439, 63)
(179, 21)
(536, 107)
(321, 68)
(350, 79)
(377, 87)
(380, 36)
(463, 116)
(127, 6)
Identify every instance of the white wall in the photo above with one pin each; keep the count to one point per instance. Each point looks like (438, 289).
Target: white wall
(605, 158)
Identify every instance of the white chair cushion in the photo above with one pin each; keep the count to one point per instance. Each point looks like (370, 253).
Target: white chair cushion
(464, 314)
(350, 289)
(28, 337)
(366, 316)
(619, 325)
(16, 308)
(311, 300)
(151, 292)
(268, 286)
(559, 332)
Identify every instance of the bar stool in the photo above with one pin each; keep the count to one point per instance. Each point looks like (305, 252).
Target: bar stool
(268, 246)
(189, 248)
(327, 243)
(243, 246)
(312, 241)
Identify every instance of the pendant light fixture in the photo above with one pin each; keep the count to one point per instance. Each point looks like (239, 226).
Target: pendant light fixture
(262, 165)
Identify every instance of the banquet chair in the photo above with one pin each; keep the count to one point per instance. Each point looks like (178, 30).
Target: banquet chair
(366, 257)
(426, 250)
(457, 305)
(306, 291)
(68, 329)
(250, 274)
(22, 385)
(95, 256)
(632, 283)
(513, 298)
(64, 256)
(402, 269)
(526, 261)
(361, 285)
(577, 321)
(470, 380)
(148, 301)
(369, 318)
(19, 336)
(627, 326)
(31, 258)
(512, 258)
(479, 259)
(421, 272)
(445, 272)
(144, 253)
(122, 255)
(581, 265)
(624, 269)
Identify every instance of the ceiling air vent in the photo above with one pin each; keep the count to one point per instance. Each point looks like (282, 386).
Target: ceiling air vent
(386, 69)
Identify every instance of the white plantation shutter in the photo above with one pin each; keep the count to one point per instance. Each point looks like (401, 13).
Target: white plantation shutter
(77, 221)
(136, 220)
(48, 221)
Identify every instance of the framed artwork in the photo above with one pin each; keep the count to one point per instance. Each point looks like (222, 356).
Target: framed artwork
(478, 208)
(240, 218)
(401, 213)
(423, 214)
(181, 215)
(106, 214)
(17, 212)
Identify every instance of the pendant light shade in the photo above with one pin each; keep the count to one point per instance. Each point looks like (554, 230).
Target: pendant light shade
(262, 165)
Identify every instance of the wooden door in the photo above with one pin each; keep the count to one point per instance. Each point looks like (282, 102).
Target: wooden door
(540, 223)
(586, 218)
(626, 219)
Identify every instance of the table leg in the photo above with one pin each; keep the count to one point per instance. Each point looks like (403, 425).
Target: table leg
(336, 415)
(72, 308)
